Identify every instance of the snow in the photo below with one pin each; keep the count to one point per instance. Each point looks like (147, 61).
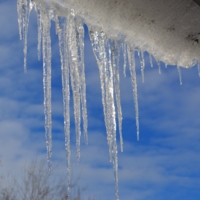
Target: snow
(169, 31)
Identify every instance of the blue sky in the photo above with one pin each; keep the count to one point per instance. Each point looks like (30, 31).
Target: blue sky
(164, 164)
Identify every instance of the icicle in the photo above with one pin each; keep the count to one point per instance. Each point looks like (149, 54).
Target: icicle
(19, 11)
(100, 55)
(151, 60)
(142, 63)
(198, 66)
(37, 10)
(100, 58)
(180, 76)
(115, 66)
(66, 92)
(165, 65)
(101, 47)
(80, 31)
(24, 7)
(111, 114)
(131, 59)
(74, 74)
(71, 44)
(46, 44)
(159, 67)
(124, 46)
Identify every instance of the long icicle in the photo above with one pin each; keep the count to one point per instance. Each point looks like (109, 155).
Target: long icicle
(80, 32)
(101, 47)
(74, 75)
(111, 109)
(131, 59)
(66, 93)
(46, 45)
(94, 38)
(116, 80)
(100, 55)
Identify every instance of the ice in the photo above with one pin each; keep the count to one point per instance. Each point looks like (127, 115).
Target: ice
(198, 66)
(19, 11)
(102, 49)
(116, 81)
(180, 76)
(70, 32)
(37, 10)
(80, 39)
(66, 91)
(151, 60)
(106, 48)
(24, 7)
(74, 74)
(131, 59)
(46, 51)
(142, 63)
(159, 67)
(46, 47)
(124, 48)
(71, 44)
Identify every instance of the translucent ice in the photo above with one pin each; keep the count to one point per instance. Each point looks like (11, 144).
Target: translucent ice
(106, 46)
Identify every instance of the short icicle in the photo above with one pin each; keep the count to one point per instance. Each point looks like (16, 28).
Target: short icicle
(159, 67)
(24, 7)
(151, 60)
(131, 59)
(142, 62)
(198, 66)
(180, 75)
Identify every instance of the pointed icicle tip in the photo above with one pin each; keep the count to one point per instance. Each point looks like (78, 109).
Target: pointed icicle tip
(180, 75)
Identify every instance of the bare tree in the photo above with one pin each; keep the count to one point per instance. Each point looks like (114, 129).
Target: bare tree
(37, 183)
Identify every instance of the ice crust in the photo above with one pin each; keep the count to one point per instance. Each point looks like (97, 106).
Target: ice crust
(169, 30)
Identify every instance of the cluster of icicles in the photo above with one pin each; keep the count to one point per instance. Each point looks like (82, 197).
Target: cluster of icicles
(70, 31)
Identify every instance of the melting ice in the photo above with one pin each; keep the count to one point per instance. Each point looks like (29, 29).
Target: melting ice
(70, 31)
